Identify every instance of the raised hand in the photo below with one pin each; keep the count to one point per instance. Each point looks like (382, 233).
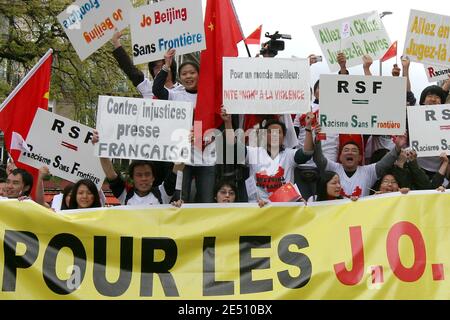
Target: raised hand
(310, 117)
(342, 61)
(168, 57)
(224, 115)
(43, 172)
(116, 39)
(405, 62)
(396, 70)
(95, 137)
(367, 61)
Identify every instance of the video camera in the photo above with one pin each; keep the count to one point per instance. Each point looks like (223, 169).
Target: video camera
(271, 47)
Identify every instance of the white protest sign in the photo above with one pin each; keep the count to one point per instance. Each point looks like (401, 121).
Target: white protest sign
(168, 24)
(366, 35)
(363, 105)
(266, 86)
(429, 129)
(89, 24)
(427, 38)
(131, 128)
(64, 146)
(436, 73)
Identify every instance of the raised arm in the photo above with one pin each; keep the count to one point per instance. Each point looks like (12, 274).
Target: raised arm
(438, 178)
(40, 197)
(229, 131)
(319, 159)
(106, 163)
(158, 84)
(342, 61)
(134, 74)
(446, 87)
(389, 159)
(405, 73)
(171, 179)
(367, 62)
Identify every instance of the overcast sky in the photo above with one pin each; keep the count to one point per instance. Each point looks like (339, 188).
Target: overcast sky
(296, 17)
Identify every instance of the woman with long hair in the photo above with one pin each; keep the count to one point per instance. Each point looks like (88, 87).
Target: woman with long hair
(84, 195)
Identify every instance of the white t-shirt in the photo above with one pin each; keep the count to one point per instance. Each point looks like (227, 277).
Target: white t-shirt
(180, 94)
(146, 88)
(364, 177)
(149, 199)
(270, 174)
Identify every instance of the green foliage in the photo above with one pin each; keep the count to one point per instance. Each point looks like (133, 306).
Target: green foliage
(31, 29)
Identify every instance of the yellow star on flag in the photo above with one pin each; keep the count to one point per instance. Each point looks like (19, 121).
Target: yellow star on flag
(211, 26)
(46, 95)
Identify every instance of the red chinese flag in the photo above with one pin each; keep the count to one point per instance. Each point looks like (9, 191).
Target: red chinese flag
(223, 33)
(255, 37)
(286, 193)
(18, 110)
(390, 53)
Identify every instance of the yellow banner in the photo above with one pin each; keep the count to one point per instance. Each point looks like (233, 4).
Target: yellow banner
(384, 247)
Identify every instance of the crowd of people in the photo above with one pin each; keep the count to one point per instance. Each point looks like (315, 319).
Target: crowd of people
(293, 150)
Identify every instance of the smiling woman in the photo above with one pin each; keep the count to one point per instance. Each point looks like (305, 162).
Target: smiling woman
(84, 195)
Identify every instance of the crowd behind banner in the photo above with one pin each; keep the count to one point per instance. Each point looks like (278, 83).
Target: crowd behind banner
(314, 155)
(384, 247)
(280, 138)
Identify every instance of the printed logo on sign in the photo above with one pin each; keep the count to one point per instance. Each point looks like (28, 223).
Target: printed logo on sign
(71, 10)
(77, 13)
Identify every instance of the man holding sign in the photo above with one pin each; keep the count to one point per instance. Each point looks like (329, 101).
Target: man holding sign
(142, 172)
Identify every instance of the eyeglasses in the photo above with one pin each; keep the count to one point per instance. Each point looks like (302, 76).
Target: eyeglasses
(389, 182)
(227, 192)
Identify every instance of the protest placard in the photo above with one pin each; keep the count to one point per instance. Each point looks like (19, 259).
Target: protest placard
(266, 86)
(427, 38)
(89, 24)
(429, 129)
(131, 128)
(363, 105)
(355, 36)
(435, 73)
(64, 146)
(161, 26)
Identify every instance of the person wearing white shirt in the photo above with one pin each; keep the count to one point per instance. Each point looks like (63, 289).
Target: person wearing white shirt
(356, 180)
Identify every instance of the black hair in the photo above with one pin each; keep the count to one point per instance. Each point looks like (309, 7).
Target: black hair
(441, 93)
(27, 180)
(377, 183)
(66, 191)
(322, 194)
(351, 142)
(189, 62)
(271, 122)
(225, 182)
(91, 187)
(173, 68)
(136, 163)
(316, 85)
(378, 155)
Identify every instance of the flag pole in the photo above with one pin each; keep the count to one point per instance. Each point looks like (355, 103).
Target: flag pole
(248, 51)
(26, 78)
(240, 27)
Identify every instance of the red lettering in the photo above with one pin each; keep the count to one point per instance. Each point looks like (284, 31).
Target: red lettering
(431, 71)
(353, 276)
(417, 269)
